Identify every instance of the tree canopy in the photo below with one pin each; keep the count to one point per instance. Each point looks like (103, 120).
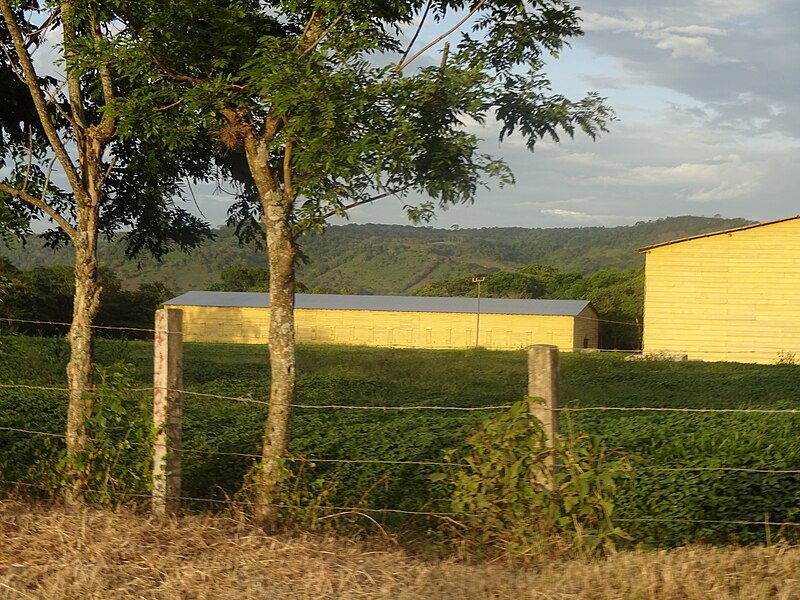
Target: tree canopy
(333, 104)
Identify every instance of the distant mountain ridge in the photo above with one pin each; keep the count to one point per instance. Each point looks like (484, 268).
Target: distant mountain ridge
(396, 259)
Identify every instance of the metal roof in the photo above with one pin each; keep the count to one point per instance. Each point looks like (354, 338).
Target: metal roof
(499, 306)
(713, 233)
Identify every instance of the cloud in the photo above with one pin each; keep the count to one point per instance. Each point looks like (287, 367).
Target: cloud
(571, 214)
(690, 42)
(730, 56)
(694, 48)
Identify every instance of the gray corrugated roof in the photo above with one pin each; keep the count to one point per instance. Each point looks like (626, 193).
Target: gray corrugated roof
(500, 306)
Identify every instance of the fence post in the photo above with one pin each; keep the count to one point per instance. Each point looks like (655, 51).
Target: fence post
(543, 376)
(167, 409)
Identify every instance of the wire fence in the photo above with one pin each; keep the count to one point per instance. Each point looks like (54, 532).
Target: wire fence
(188, 394)
(438, 464)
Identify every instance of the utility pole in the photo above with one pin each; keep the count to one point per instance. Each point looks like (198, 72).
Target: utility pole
(478, 280)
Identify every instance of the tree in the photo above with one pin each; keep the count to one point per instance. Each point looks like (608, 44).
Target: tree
(111, 181)
(330, 105)
(241, 278)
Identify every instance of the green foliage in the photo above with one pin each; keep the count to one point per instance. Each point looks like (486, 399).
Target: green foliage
(677, 499)
(241, 278)
(45, 294)
(395, 259)
(116, 463)
(513, 502)
(334, 125)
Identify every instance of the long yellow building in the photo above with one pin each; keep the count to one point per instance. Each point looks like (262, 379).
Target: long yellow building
(395, 321)
(732, 295)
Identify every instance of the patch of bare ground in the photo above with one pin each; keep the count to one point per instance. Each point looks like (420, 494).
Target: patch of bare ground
(50, 553)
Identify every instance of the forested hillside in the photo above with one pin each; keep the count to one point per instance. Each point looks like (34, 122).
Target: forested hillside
(395, 259)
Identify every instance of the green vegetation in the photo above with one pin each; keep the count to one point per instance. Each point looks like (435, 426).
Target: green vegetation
(512, 501)
(394, 259)
(333, 375)
(45, 294)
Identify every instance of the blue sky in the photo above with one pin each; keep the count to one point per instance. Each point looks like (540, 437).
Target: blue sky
(706, 94)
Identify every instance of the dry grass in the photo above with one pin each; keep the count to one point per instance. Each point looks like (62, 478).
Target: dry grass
(47, 552)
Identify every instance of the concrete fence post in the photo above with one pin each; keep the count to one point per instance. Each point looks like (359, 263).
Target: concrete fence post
(543, 377)
(167, 410)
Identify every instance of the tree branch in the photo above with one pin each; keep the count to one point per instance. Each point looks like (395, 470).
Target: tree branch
(41, 205)
(12, 65)
(73, 80)
(345, 208)
(287, 164)
(107, 121)
(32, 83)
(416, 35)
(447, 33)
(308, 46)
(33, 36)
(30, 159)
(196, 81)
(107, 171)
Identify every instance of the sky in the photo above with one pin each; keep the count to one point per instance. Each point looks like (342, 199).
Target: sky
(705, 93)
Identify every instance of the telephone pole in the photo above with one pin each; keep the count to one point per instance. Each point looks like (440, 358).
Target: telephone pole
(478, 280)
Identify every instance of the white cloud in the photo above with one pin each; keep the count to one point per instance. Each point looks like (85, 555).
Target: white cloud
(724, 191)
(694, 48)
(587, 159)
(559, 212)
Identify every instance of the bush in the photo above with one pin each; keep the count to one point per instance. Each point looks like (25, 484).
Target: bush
(510, 499)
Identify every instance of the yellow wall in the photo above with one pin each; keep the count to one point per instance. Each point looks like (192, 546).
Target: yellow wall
(733, 296)
(385, 328)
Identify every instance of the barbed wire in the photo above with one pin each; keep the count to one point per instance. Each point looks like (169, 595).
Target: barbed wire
(248, 399)
(32, 432)
(365, 509)
(366, 461)
(726, 469)
(708, 521)
(65, 324)
(708, 351)
(777, 411)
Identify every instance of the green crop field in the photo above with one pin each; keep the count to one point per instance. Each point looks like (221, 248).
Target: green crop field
(662, 504)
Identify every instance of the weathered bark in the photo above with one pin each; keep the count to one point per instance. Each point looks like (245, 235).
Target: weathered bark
(86, 303)
(91, 141)
(277, 206)
(282, 360)
(80, 366)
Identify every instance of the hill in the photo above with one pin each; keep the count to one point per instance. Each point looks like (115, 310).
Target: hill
(396, 259)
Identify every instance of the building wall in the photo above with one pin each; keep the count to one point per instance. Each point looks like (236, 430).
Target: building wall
(733, 296)
(385, 328)
(586, 331)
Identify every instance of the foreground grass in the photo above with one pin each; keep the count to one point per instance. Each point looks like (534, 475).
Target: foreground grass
(49, 553)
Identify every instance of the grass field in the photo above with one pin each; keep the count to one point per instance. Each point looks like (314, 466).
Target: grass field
(658, 505)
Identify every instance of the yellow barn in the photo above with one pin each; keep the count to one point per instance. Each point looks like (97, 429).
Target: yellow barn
(397, 321)
(732, 295)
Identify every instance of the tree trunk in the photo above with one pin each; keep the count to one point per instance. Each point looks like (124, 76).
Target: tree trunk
(282, 250)
(86, 304)
(80, 367)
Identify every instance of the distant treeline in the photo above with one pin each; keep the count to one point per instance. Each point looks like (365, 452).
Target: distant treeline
(45, 294)
(393, 259)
